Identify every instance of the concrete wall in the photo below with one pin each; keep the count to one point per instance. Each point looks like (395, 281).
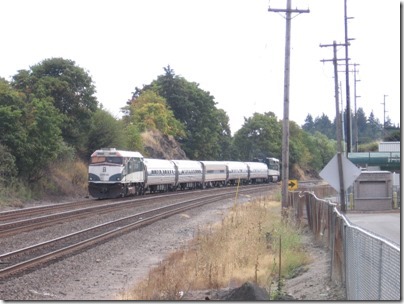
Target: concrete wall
(373, 191)
(389, 146)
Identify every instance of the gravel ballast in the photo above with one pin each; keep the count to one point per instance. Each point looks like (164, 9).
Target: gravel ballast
(102, 272)
(107, 270)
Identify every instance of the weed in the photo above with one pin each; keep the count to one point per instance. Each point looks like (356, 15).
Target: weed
(243, 246)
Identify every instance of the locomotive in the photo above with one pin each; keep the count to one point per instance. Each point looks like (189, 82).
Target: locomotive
(115, 173)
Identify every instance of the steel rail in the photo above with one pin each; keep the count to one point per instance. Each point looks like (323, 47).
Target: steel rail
(65, 250)
(12, 228)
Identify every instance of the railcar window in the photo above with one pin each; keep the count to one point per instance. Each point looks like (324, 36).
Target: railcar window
(138, 164)
(104, 159)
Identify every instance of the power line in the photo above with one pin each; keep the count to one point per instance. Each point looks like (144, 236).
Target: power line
(339, 123)
(285, 128)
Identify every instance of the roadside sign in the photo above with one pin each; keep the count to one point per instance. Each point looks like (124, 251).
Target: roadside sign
(292, 184)
(330, 172)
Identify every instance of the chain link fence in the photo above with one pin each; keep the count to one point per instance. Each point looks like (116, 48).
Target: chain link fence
(367, 265)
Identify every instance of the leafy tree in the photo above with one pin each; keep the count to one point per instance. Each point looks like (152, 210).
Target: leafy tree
(309, 124)
(133, 139)
(259, 137)
(369, 128)
(321, 150)
(30, 130)
(13, 133)
(361, 120)
(106, 131)
(394, 135)
(298, 152)
(195, 109)
(323, 124)
(8, 168)
(72, 92)
(149, 111)
(374, 127)
(225, 139)
(44, 140)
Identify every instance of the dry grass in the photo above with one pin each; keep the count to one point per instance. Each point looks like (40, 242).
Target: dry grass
(70, 178)
(63, 179)
(244, 246)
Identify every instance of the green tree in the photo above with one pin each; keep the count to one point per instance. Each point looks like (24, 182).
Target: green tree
(298, 151)
(309, 124)
(324, 125)
(8, 167)
(106, 131)
(321, 150)
(44, 140)
(133, 138)
(374, 128)
(259, 137)
(149, 111)
(393, 136)
(225, 139)
(72, 92)
(196, 110)
(31, 130)
(13, 133)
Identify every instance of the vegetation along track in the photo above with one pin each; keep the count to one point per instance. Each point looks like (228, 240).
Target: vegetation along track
(26, 258)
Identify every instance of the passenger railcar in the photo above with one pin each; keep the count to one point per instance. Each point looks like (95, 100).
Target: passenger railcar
(189, 174)
(237, 172)
(214, 174)
(257, 172)
(160, 175)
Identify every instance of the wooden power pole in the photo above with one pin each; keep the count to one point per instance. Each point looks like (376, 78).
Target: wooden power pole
(339, 125)
(285, 127)
(348, 98)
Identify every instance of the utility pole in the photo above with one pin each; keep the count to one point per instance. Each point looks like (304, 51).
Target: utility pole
(384, 111)
(384, 115)
(354, 128)
(342, 118)
(285, 127)
(348, 103)
(339, 125)
(356, 133)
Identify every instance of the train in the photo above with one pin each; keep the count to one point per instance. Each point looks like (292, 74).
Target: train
(116, 173)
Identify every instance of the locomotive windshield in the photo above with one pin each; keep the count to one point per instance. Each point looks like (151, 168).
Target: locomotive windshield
(273, 164)
(106, 159)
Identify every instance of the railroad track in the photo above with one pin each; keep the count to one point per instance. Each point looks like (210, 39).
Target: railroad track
(18, 221)
(24, 259)
(20, 214)
(29, 224)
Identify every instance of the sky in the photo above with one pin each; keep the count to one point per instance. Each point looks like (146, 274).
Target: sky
(234, 49)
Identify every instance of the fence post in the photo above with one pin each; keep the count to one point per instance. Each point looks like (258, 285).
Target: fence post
(332, 240)
(344, 268)
(351, 200)
(395, 200)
